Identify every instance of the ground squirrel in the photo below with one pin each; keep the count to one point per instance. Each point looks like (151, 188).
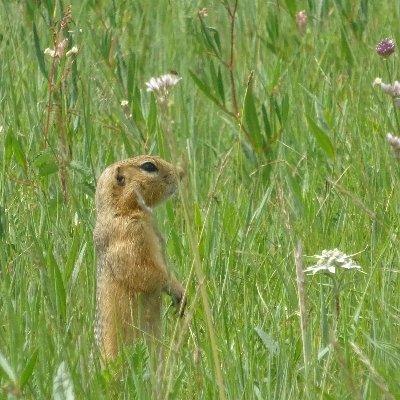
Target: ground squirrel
(131, 267)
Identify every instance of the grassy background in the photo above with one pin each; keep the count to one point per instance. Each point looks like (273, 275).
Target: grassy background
(316, 168)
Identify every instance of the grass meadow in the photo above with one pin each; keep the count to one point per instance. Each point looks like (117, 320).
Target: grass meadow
(283, 138)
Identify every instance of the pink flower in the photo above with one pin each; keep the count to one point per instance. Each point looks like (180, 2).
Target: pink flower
(301, 21)
(386, 47)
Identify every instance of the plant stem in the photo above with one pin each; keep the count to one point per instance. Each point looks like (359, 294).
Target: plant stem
(303, 314)
(51, 79)
(232, 15)
(185, 198)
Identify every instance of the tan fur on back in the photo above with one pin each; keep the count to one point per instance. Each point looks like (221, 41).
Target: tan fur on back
(131, 269)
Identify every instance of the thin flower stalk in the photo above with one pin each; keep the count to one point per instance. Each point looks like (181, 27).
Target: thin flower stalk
(161, 87)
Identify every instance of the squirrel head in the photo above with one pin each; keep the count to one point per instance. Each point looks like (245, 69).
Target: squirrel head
(137, 183)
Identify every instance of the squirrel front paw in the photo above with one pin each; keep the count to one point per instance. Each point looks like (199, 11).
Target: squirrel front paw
(178, 296)
(179, 302)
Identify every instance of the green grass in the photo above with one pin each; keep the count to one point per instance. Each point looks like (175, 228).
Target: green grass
(309, 164)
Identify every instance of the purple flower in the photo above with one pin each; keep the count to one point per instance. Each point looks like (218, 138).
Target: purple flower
(386, 47)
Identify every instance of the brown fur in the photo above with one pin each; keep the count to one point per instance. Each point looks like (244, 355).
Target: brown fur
(131, 268)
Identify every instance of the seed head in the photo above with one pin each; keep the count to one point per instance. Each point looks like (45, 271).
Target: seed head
(386, 47)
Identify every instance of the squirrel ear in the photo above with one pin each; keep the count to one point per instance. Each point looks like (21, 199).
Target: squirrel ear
(119, 177)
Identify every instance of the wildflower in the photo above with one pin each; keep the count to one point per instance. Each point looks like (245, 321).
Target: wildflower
(160, 86)
(386, 47)
(73, 50)
(392, 90)
(329, 260)
(394, 141)
(301, 21)
(59, 50)
(125, 108)
(203, 12)
(164, 82)
(49, 52)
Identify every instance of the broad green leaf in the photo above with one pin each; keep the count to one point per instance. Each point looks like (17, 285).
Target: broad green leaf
(295, 190)
(45, 163)
(27, 372)
(291, 6)
(39, 52)
(14, 147)
(7, 369)
(267, 125)
(81, 169)
(348, 53)
(322, 138)
(284, 108)
(251, 119)
(152, 116)
(267, 340)
(72, 253)
(217, 81)
(213, 40)
(59, 288)
(204, 88)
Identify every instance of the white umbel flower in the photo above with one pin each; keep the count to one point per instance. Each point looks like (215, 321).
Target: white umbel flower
(161, 86)
(164, 82)
(329, 260)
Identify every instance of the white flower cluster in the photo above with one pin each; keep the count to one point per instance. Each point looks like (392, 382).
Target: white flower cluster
(59, 50)
(394, 141)
(392, 90)
(329, 260)
(160, 86)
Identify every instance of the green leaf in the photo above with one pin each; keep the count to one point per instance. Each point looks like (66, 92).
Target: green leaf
(39, 52)
(276, 108)
(59, 288)
(152, 116)
(213, 40)
(73, 251)
(348, 53)
(204, 88)
(267, 125)
(19, 153)
(45, 163)
(267, 340)
(322, 138)
(8, 148)
(6, 367)
(251, 119)
(291, 6)
(81, 169)
(78, 265)
(284, 108)
(137, 113)
(27, 372)
(295, 190)
(217, 81)
(14, 146)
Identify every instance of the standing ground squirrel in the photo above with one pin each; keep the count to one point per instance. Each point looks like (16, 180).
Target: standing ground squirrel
(131, 267)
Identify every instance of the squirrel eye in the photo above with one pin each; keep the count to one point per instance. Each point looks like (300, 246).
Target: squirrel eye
(121, 180)
(149, 167)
